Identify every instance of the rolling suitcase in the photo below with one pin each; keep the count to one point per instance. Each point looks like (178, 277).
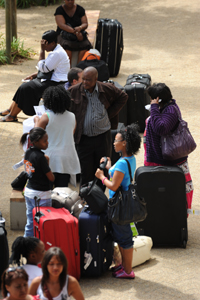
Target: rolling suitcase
(109, 42)
(4, 250)
(96, 244)
(163, 189)
(136, 86)
(58, 228)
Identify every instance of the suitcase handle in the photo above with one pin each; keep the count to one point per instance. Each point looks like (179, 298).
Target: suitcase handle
(160, 168)
(101, 167)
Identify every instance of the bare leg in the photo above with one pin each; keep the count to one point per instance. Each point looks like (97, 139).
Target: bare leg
(69, 53)
(127, 256)
(7, 111)
(14, 110)
(81, 54)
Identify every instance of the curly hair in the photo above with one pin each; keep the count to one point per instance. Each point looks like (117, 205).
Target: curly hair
(131, 135)
(23, 246)
(57, 99)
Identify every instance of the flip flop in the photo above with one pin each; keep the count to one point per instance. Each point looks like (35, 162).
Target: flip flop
(4, 119)
(2, 113)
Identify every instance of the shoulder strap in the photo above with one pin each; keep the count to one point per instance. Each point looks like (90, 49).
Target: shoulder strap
(47, 293)
(129, 169)
(179, 114)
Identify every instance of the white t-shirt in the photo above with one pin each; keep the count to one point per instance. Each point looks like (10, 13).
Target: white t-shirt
(57, 60)
(32, 271)
(62, 296)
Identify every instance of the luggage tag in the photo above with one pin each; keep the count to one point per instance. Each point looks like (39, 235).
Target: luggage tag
(134, 229)
(88, 259)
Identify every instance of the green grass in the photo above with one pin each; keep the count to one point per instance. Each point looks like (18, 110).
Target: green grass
(17, 50)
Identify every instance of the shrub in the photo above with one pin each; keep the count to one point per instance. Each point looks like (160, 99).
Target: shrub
(17, 50)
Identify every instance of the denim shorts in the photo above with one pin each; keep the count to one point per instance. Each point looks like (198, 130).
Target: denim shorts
(122, 234)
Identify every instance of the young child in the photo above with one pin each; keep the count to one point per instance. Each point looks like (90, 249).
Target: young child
(39, 174)
(33, 250)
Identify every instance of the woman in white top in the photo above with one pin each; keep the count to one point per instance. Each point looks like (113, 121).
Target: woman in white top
(33, 250)
(60, 124)
(29, 93)
(55, 283)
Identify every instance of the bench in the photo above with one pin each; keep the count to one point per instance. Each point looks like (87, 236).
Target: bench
(17, 208)
(93, 16)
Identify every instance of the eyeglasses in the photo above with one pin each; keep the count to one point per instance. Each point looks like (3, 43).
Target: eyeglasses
(13, 269)
(116, 141)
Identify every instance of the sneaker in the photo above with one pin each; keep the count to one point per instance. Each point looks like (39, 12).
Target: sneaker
(116, 268)
(120, 269)
(123, 274)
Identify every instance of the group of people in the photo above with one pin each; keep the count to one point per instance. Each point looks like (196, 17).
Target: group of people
(29, 282)
(74, 134)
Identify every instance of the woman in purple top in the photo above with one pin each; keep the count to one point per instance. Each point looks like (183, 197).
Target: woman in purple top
(164, 119)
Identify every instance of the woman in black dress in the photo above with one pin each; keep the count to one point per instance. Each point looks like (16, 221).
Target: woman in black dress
(71, 23)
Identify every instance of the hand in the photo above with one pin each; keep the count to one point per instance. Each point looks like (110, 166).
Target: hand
(99, 174)
(108, 165)
(30, 77)
(44, 43)
(78, 29)
(79, 36)
(155, 101)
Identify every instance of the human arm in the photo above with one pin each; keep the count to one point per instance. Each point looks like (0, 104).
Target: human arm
(116, 180)
(84, 24)
(31, 77)
(164, 121)
(74, 289)
(41, 122)
(60, 21)
(34, 286)
(50, 176)
(117, 100)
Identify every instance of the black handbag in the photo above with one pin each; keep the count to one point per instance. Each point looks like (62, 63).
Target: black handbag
(19, 182)
(70, 36)
(94, 196)
(100, 65)
(126, 207)
(47, 76)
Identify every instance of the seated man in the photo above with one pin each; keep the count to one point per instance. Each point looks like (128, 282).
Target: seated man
(96, 106)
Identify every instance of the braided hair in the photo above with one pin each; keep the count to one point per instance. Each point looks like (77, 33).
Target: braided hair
(130, 134)
(57, 99)
(23, 246)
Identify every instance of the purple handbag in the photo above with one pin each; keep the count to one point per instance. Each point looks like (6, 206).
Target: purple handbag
(178, 143)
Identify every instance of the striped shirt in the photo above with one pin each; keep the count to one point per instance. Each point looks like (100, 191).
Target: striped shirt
(96, 118)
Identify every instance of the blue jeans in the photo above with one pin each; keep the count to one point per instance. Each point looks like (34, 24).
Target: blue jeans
(30, 204)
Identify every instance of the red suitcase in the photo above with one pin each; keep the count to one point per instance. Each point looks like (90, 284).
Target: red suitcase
(57, 227)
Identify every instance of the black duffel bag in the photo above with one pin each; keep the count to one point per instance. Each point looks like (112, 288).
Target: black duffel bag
(94, 195)
(100, 65)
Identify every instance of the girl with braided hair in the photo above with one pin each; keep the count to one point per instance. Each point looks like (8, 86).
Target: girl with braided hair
(127, 141)
(33, 250)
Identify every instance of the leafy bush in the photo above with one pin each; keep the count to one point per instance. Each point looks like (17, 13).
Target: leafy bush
(17, 50)
(28, 3)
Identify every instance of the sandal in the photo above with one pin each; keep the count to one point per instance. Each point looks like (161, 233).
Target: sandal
(3, 113)
(4, 119)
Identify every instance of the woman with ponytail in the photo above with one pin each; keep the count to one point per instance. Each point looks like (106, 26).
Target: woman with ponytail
(39, 174)
(127, 142)
(32, 249)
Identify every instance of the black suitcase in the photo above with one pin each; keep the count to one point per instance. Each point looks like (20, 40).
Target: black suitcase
(109, 42)
(163, 189)
(136, 86)
(4, 250)
(115, 156)
(95, 239)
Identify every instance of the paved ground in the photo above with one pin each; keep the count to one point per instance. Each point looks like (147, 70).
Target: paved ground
(161, 38)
